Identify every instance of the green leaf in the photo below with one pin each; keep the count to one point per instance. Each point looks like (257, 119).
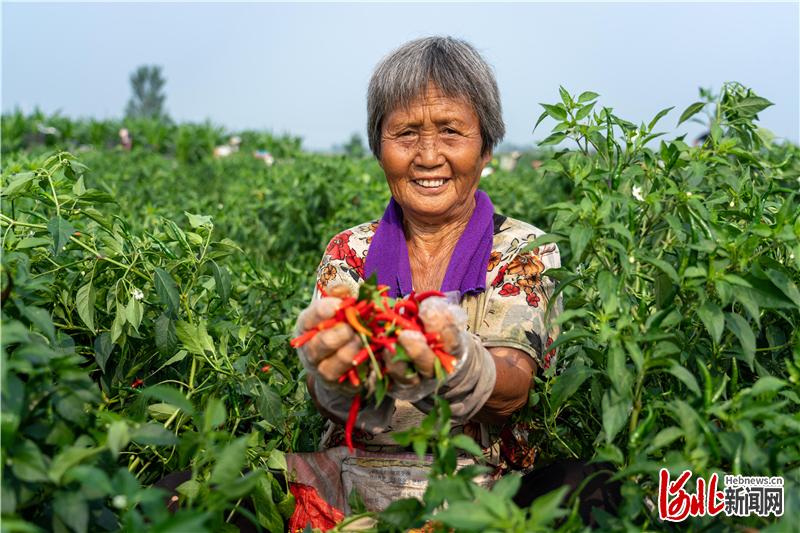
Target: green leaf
(686, 377)
(214, 415)
(84, 301)
(102, 350)
(466, 516)
(563, 338)
(507, 486)
(400, 514)
(17, 183)
(222, 279)
(584, 111)
(587, 96)
(28, 462)
(153, 435)
(608, 287)
(568, 383)
(767, 384)
(118, 437)
(197, 221)
(32, 242)
(545, 509)
(740, 327)
(553, 139)
(713, 319)
(165, 336)
(543, 116)
(68, 458)
(195, 339)
(615, 414)
(167, 290)
(556, 111)
(42, 320)
(270, 405)
(664, 437)
(169, 395)
(547, 238)
(466, 443)
(785, 284)
(579, 237)
(230, 462)
(267, 512)
(565, 96)
(658, 117)
(72, 509)
(662, 265)
(751, 105)
(690, 111)
(134, 313)
(277, 461)
(190, 488)
(61, 231)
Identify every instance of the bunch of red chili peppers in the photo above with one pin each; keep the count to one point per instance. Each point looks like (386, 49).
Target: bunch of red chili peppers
(378, 319)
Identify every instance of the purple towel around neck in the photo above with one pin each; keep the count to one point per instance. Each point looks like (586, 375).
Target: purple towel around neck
(388, 251)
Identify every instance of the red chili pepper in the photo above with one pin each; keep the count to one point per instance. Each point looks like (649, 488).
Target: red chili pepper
(137, 383)
(410, 307)
(266, 368)
(427, 294)
(302, 339)
(432, 337)
(360, 357)
(448, 361)
(352, 375)
(351, 314)
(328, 324)
(391, 316)
(366, 310)
(351, 422)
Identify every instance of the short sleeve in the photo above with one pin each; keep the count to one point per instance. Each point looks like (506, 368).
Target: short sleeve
(343, 260)
(516, 313)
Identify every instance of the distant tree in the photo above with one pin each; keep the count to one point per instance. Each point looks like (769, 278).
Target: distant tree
(355, 146)
(148, 97)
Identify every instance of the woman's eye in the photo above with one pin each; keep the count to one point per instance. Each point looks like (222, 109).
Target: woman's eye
(449, 131)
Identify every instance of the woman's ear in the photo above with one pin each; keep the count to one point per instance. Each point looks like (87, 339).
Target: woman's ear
(486, 157)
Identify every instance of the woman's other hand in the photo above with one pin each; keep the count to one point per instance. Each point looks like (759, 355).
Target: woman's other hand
(330, 352)
(439, 317)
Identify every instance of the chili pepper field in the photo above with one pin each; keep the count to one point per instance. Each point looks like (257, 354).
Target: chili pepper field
(149, 297)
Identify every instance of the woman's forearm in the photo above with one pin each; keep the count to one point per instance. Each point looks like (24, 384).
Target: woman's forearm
(515, 371)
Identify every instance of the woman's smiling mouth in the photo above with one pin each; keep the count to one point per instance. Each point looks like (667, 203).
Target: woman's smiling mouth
(429, 183)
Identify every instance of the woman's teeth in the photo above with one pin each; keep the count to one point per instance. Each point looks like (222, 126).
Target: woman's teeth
(430, 183)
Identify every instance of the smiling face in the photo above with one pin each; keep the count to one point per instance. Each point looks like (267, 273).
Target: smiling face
(431, 155)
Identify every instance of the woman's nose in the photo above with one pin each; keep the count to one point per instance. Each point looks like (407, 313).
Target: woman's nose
(428, 153)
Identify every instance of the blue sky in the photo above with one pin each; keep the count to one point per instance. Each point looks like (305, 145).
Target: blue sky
(303, 68)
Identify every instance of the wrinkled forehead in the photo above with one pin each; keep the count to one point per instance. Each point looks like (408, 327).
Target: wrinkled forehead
(416, 102)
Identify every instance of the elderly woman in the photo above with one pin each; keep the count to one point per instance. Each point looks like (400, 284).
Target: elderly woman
(434, 118)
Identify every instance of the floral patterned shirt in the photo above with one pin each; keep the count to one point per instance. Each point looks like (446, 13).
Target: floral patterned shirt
(511, 312)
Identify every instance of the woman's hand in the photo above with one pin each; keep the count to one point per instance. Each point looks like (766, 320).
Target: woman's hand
(438, 316)
(331, 351)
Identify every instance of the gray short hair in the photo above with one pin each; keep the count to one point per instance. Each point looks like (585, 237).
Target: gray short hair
(453, 65)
